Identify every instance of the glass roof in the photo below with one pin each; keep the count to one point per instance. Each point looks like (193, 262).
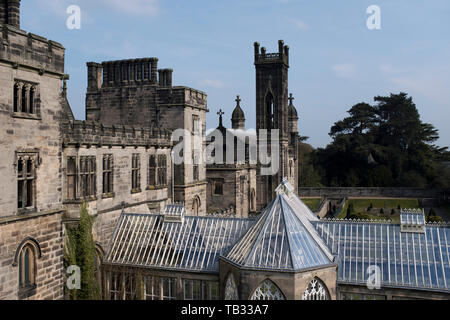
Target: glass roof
(194, 244)
(419, 260)
(280, 240)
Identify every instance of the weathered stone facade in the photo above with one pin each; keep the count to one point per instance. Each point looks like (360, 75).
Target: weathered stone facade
(46, 231)
(118, 160)
(274, 113)
(130, 92)
(291, 284)
(31, 110)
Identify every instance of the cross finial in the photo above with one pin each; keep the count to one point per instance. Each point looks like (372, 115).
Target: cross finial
(220, 113)
(238, 101)
(291, 98)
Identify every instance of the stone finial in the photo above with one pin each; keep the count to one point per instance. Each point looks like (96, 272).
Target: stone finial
(291, 99)
(220, 113)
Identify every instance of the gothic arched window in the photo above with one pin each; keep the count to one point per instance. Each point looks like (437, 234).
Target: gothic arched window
(26, 260)
(316, 290)
(16, 96)
(267, 291)
(291, 169)
(252, 200)
(270, 111)
(24, 98)
(196, 206)
(231, 292)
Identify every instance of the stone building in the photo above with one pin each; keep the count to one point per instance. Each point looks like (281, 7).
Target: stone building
(273, 112)
(232, 184)
(242, 185)
(31, 210)
(136, 93)
(119, 159)
(154, 238)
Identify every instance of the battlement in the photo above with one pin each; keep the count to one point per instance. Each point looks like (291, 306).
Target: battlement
(262, 57)
(77, 133)
(126, 73)
(30, 51)
(27, 50)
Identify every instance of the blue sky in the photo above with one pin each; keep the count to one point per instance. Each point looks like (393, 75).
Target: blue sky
(335, 60)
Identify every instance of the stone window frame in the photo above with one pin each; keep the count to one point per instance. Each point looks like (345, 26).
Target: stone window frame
(196, 125)
(195, 167)
(88, 177)
(27, 285)
(162, 170)
(215, 183)
(316, 290)
(26, 161)
(268, 290)
(108, 175)
(152, 167)
(136, 173)
(30, 92)
(71, 188)
(157, 171)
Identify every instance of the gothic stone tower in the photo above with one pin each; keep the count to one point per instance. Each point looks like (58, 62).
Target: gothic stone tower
(272, 112)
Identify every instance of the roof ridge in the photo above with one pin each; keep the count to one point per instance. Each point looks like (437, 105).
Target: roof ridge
(315, 237)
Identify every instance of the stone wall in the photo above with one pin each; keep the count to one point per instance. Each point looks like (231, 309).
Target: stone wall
(47, 230)
(39, 134)
(232, 195)
(291, 284)
(392, 293)
(371, 192)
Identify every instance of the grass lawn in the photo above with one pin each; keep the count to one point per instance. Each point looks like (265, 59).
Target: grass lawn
(312, 203)
(361, 205)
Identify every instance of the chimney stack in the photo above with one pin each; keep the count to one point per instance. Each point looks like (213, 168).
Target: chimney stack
(3, 12)
(94, 76)
(13, 13)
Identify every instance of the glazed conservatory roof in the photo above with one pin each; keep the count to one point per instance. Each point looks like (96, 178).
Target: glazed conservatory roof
(287, 236)
(406, 259)
(193, 243)
(282, 240)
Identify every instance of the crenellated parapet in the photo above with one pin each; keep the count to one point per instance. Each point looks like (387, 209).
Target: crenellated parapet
(86, 133)
(181, 95)
(131, 72)
(262, 57)
(30, 51)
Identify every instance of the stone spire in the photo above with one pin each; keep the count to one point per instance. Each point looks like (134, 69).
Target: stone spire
(293, 115)
(238, 117)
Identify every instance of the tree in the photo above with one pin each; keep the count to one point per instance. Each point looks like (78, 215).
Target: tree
(80, 251)
(381, 145)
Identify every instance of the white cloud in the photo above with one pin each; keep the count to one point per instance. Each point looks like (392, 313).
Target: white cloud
(212, 83)
(302, 25)
(344, 70)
